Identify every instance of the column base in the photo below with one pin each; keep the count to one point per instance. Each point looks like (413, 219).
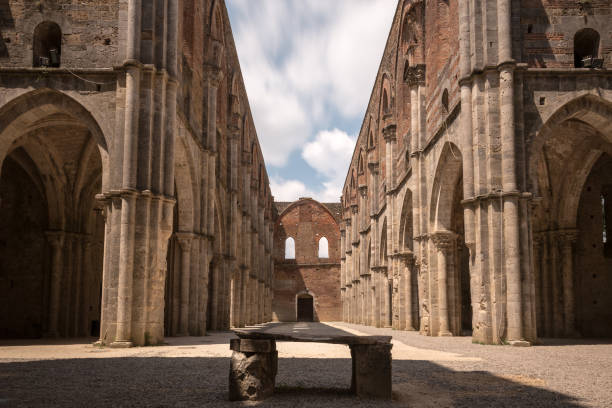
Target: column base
(182, 334)
(121, 344)
(445, 334)
(519, 343)
(51, 335)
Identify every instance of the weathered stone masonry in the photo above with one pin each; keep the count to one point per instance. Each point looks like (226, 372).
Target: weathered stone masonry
(135, 201)
(478, 197)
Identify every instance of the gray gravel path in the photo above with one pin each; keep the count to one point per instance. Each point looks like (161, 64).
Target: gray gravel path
(193, 372)
(557, 373)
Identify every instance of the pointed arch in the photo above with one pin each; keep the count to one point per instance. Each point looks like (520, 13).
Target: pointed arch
(22, 113)
(448, 176)
(216, 22)
(588, 117)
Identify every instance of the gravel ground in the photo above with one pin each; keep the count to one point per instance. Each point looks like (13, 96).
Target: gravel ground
(189, 372)
(557, 373)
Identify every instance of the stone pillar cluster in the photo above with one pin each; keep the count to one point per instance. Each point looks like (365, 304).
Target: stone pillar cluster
(450, 240)
(212, 253)
(553, 261)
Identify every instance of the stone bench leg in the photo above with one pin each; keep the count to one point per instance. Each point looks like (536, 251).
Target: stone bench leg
(371, 370)
(252, 369)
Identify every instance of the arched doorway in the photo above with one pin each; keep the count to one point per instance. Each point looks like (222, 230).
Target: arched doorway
(451, 299)
(305, 307)
(51, 226)
(570, 168)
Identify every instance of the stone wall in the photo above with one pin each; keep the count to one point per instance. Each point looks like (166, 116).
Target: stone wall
(167, 156)
(91, 33)
(462, 207)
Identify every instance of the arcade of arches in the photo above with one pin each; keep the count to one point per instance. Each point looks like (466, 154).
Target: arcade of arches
(134, 201)
(478, 198)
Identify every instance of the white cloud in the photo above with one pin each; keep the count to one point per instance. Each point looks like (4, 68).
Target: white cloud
(308, 65)
(288, 190)
(330, 153)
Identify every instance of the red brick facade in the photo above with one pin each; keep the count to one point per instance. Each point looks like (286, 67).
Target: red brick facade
(306, 221)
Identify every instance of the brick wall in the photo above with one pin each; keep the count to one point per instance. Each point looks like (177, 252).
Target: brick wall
(90, 31)
(307, 221)
(547, 29)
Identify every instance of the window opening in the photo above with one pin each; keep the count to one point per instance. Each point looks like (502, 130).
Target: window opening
(289, 248)
(586, 49)
(47, 46)
(445, 101)
(323, 248)
(385, 102)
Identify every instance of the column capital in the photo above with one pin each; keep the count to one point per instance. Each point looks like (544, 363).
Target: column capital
(406, 256)
(373, 166)
(184, 239)
(567, 237)
(213, 75)
(390, 133)
(443, 239)
(415, 75)
(56, 238)
(363, 190)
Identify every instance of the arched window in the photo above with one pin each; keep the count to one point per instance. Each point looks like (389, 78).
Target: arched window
(323, 248)
(385, 101)
(586, 47)
(47, 46)
(217, 24)
(360, 167)
(289, 248)
(445, 102)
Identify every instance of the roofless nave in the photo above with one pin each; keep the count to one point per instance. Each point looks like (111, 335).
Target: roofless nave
(136, 205)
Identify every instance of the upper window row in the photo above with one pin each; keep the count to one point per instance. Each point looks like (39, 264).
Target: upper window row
(290, 248)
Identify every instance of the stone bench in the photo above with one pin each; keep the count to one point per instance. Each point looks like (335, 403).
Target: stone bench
(255, 360)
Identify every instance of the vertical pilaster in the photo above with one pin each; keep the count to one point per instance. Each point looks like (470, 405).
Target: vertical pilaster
(56, 241)
(443, 242)
(567, 244)
(184, 240)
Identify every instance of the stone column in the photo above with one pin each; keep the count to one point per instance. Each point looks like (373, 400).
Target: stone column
(78, 281)
(86, 273)
(537, 271)
(184, 240)
(443, 241)
(205, 244)
(56, 241)
(555, 274)
(407, 266)
(546, 288)
(567, 242)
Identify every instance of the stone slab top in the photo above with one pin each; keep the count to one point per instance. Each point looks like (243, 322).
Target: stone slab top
(307, 333)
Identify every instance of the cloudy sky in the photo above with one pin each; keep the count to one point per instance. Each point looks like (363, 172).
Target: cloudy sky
(309, 67)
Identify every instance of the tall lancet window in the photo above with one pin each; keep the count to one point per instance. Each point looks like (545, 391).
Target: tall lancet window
(323, 248)
(289, 248)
